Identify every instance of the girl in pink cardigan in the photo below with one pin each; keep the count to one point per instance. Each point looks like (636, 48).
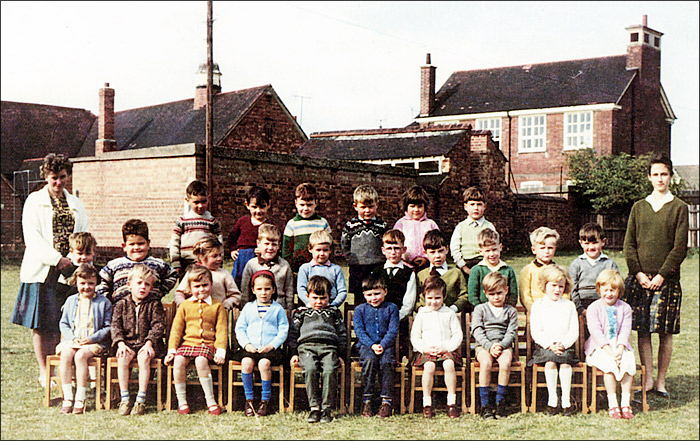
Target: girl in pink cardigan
(608, 347)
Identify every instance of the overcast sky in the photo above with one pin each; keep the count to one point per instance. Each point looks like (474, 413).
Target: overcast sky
(336, 65)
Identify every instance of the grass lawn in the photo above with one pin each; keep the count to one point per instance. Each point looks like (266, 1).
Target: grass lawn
(23, 416)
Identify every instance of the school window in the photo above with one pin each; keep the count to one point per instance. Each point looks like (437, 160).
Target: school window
(578, 130)
(532, 134)
(492, 124)
(531, 185)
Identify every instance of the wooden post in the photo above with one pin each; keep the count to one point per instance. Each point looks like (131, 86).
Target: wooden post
(210, 107)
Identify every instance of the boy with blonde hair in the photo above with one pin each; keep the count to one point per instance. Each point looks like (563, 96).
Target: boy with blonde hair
(490, 248)
(361, 239)
(544, 245)
(295, 239)
(320, 247)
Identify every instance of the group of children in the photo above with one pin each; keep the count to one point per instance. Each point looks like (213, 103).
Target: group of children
(393, 273)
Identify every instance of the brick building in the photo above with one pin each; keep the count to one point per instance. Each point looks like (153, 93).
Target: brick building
(537, 113)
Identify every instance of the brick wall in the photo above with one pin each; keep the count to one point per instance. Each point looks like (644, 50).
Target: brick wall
(148, 184)
(266, 127)
(536, 211)
(11, 210)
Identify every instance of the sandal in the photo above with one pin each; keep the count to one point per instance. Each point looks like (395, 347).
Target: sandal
(627, 413)
(615, 413)
(183, 410)
(78, 410)
(67, 409)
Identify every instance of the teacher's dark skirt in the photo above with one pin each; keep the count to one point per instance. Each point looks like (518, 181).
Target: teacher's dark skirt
(655, 311)
(37, 307)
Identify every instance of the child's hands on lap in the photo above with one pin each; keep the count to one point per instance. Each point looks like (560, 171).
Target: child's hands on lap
(250, 348)
(377, 348)
(148, 349)
(294, 361)
(219, 359)
(169, 358)
(265, 349)
(496, 350)
(123, 350)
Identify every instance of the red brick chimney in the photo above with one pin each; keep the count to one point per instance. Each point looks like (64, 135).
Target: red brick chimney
(427, 87)
(105, 123)
(200, 92)
(644, 52)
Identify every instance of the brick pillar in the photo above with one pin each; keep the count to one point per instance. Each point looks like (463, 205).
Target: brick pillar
(427, 87)
(105, 124)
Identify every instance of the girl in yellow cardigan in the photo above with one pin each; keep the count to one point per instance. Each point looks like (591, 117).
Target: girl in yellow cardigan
(199, 331)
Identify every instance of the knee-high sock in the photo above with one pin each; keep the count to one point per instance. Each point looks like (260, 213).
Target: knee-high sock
(565, 374)
(266, 390)
(181, 393)
(550, 376)
(208, 388)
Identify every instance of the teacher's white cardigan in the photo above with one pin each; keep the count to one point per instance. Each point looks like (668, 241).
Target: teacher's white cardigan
(37, 228)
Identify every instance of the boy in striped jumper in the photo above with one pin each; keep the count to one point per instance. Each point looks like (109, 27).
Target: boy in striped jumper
(115, 274)
(295, 239)
(195, 224)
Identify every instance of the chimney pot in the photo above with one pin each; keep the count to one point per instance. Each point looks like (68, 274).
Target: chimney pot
(427, 58)
(106, 84)
(427, 87)
(644, 20)
(105, 123)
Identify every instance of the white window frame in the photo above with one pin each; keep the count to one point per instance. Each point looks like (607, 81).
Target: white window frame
(578, 130)
(531, 185)
(532, 133)
(492, 124)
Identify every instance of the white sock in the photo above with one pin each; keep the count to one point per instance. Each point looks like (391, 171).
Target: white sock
(612, 401)
(181, 393)
(550, 376)
(625, 399)
(208, 387)
(427, 400)
(565, 373)
(80, 396)
(67, 395)
(451, 399)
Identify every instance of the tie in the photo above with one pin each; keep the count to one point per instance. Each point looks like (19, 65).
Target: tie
(434, 271)
(392, 271)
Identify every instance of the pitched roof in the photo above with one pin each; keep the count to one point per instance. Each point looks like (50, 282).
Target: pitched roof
(534, 86)
(32, 131)
(177, 122)
(395, 143)
(689, 173)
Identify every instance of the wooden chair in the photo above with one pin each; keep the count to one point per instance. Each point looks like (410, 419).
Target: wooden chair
(517, 369)
(112, 378)
(217, 371)
(579, 370)
(356, 368)
(294, 385)
(417, 372)
(52, 374)
(235, 378)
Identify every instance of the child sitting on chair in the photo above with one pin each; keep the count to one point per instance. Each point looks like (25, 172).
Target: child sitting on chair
(199, 332)
(608, 348)
(84, 326)
(494, 327)
(436, 335)
(316, 338)
(138, 327)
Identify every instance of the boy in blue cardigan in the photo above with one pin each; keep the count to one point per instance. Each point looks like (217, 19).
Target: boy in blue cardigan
(376, 325)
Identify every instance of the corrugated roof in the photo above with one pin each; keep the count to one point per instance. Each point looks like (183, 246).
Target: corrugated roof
(381, 144)
(545, 85)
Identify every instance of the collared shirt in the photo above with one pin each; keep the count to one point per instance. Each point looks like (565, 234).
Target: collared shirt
(492, 268)
(593, 261)
(657, 204)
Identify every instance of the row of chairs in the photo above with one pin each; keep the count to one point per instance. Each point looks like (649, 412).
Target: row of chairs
(227, 377)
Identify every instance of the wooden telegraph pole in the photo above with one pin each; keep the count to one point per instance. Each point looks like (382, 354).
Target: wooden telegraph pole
(210, 103)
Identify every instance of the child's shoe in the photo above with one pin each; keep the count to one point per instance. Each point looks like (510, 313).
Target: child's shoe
(214, 409)
(428, 412)
(501, 409)
(67, 407)
(263, 409)
(453, 411)
(615, 413)
(384, 410)
(627, 413)
(138, 409)
(183, 410)
(327, 415)
(367, 409)
(314, 416)
(125, 408)
(78, 409)
(568, 411)
(488, 412)
(551, 410)
(249, 409)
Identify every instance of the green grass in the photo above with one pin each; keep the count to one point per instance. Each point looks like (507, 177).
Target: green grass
(23, 416)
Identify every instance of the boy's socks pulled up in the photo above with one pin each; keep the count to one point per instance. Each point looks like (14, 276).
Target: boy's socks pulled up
(484, 395)
(247, 385)
(501, 393)
(266, 390)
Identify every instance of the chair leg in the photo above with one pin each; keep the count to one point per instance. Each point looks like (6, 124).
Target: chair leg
(472, 388)
(464, 390)
(169, 392)
(292, 386)
(229, 405)
(533, 400)
(108, 386)
(342, 388)
(98, 385)
(282, 407)
(523, 397)
(584, 407)
(352, 390)
(159, 385)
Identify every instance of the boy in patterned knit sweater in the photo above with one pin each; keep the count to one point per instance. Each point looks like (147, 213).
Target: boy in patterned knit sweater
(456, 297)
(194, 225)
(361, 239)
(400, 281)
(136, 245)
(316, 338)
(295, 238)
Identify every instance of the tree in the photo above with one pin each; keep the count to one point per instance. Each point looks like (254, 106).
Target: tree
(611, 181)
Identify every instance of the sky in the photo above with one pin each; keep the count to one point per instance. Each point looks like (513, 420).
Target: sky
(335, 65)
